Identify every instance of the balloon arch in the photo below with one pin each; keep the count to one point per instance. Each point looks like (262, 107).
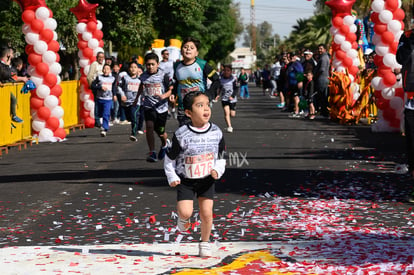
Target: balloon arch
(387, 17)
(44, 68)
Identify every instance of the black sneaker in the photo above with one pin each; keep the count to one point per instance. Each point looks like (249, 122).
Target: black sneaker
(17, 119)
(152, 157)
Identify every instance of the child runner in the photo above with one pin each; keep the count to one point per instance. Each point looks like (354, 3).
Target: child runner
(156, 87)
(128, 90)
(193, 163)
(191, 74)
(229, 90)
(104, 86)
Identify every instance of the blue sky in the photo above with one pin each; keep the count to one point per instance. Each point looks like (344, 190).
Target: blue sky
(282, 14)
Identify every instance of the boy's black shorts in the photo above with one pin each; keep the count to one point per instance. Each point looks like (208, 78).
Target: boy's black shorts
(199, 187)
(159, 119)
(230, 104)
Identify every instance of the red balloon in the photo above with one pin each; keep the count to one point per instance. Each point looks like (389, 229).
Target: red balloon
(380, 28)
(52, 123)
(388, 114)
(98, 34)
(50, 80)
(391, 5)
(91, 26)
(80, 37)
(36, 102)
(378, 60)
(395, 123)
(351, 37)
(387, 37)
(46, 35)
(57, 57)
(85, 114)
(82, 44)
(87, 52)
(42, 68)
(84, 81)
(89, 122)
(393, 47)
(53, 46)
(377, 94)
(28, 16)
(383, 70)
(29, 49)
(37, 25)
(389, 79)
(60, 133)
(101, 43)
(344, 29)
(85, 11)
(43, 113)
(340, 7)
(34, 59)
(399, 92)
(398, 14)
(382, 103)
(375, 18)
(340, 54)
(92, 59)
(56, 91)
(347, 61)
(353, 70)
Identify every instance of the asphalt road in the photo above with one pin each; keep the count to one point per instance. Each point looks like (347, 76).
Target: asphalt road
(90, 190)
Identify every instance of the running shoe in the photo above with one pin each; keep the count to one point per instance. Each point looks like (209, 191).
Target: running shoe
(229, 129)
(204, 249)
(133, 138)
(17, 119)
(140, 132)
(152, 157)
(103, 133)
(280, 105)
(163, 150)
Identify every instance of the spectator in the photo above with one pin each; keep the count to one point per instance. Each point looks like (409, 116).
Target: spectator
(244, 87)
(94, 70)
(265, 76)
(295, 80)
(274, 76)
(322, 80)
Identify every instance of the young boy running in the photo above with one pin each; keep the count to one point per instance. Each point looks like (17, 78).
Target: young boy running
(193, 163)
(156, 88)
(131, 101)
(228, 91)
(191, 75)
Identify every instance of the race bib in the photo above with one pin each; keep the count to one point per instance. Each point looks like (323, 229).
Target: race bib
(154, 89)
(133, 87)
(108, 86)
(200, 166)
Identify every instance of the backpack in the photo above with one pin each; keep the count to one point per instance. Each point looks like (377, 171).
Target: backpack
(405, 56)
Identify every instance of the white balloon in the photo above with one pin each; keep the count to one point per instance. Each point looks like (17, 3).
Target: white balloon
(86, 69)
(38, 124)
(45, 135)
(26, 29)
(80, 27)
(339, 38)
(377, 83)
(89, 105)
(42, 91)
(59, 80)
(86, 36)
(51, 101)
(99, 25)
(353, 28)
(84, 96)
(55, 35)
(378, 5)
(349, 20)
(352, 53)
(40, 47)
(333, 30)
(61, 123)
(93, 43)
(55, 68)
(340, 69)
(31, 38)
(394, 26)
(396, 103)
(389, 60)
(385, 16)
(36, 79)
(346, 46)
(336, 63)
(49, 57)
(42, 13)
(50, 24)
(83, 62)
(398, 35)
(351, 78)
(31, 69)
(80, 55)
(98, 50)
(57, 112)
(388, 92)
(381, 49)
(356, 62)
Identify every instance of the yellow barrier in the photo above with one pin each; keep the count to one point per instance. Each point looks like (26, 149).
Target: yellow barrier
(12, 132)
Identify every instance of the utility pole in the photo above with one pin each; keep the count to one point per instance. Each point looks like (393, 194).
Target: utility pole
(253, 24)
